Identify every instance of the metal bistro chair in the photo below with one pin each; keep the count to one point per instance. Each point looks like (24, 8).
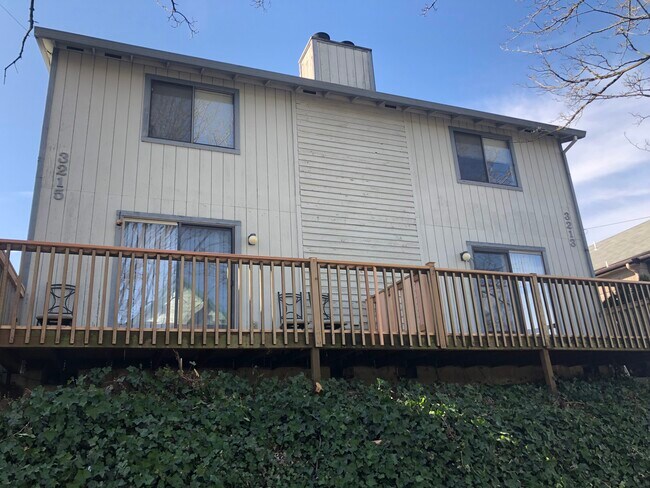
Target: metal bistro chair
(293, 305)
(61, 299)
(328, 323)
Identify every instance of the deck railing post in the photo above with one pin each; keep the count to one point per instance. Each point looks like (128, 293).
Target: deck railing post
(5, 261)
(436, 304)
(315, 285)
(539, 311)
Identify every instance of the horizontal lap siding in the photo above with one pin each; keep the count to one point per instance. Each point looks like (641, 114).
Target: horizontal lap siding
(356, 191)
(97, 116)
(454, 213)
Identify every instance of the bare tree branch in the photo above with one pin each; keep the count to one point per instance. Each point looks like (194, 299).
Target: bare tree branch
(645, 146)
(176, 17)
(261, 4)
(430, 6)
(22, 45)
(588, 50)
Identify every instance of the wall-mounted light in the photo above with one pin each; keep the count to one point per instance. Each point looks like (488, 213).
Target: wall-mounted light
(465, 256)
(252, 239)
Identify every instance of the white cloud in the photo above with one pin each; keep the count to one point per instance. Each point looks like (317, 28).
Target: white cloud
(615, 193)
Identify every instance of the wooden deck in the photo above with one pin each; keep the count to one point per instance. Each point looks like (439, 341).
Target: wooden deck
(74, 296)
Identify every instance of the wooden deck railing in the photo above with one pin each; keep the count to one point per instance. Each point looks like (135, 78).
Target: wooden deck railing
(11, 290)
(103, 296)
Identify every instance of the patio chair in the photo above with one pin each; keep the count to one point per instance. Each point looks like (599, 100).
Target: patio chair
(61, 300)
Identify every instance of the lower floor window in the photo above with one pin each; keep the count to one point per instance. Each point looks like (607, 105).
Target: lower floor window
(195, 291)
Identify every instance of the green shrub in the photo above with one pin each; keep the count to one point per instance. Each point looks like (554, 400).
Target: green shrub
(166, 430)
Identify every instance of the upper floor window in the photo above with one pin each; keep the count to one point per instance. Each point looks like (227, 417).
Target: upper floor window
(484, 159)
(191, 114)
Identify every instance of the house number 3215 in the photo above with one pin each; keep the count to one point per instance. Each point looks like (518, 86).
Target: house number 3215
(60, 175)
(568, 224)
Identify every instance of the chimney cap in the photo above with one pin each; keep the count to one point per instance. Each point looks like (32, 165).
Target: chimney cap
(322, 35)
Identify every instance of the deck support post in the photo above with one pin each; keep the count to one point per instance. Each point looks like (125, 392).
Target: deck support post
(314, 359)
(547, 368)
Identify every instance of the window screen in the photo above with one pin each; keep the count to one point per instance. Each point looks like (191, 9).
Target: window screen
(491, 261)
(470, 157)
(170, 112)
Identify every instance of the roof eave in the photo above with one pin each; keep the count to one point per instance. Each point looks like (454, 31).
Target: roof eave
(56, 37)
(619, 264)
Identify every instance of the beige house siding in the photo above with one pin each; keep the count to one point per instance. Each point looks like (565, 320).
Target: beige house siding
(315, 177)
(453, 214)
(342, 64)
(356, 191)
(96, 117)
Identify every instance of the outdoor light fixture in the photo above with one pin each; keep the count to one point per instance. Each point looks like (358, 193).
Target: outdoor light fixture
(252, 239)
(465, 256)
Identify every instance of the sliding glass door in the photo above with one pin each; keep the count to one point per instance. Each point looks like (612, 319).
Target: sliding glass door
(503, 304)
(141, 302)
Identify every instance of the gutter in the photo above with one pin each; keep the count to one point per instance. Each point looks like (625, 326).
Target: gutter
(620, 264)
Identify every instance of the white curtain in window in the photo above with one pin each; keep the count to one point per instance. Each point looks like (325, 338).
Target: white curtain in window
(146, 235)
(527, 262)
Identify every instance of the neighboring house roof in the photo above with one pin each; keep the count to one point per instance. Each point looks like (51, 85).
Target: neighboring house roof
(48, 38)
(622, 248)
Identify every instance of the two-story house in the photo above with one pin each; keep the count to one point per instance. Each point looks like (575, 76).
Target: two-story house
(206, 204)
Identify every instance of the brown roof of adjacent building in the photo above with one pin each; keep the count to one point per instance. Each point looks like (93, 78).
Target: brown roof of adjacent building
(621, 248)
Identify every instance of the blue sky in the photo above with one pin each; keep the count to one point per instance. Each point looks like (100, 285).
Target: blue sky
(451, 56)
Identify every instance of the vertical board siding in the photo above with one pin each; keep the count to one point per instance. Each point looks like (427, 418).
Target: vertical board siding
(97, 117)
(343, 65)
(306, 62)
(452, 213)
(356, 191)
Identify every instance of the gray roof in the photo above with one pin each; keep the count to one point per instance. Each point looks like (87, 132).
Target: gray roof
(621, 248)
(49, 38)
